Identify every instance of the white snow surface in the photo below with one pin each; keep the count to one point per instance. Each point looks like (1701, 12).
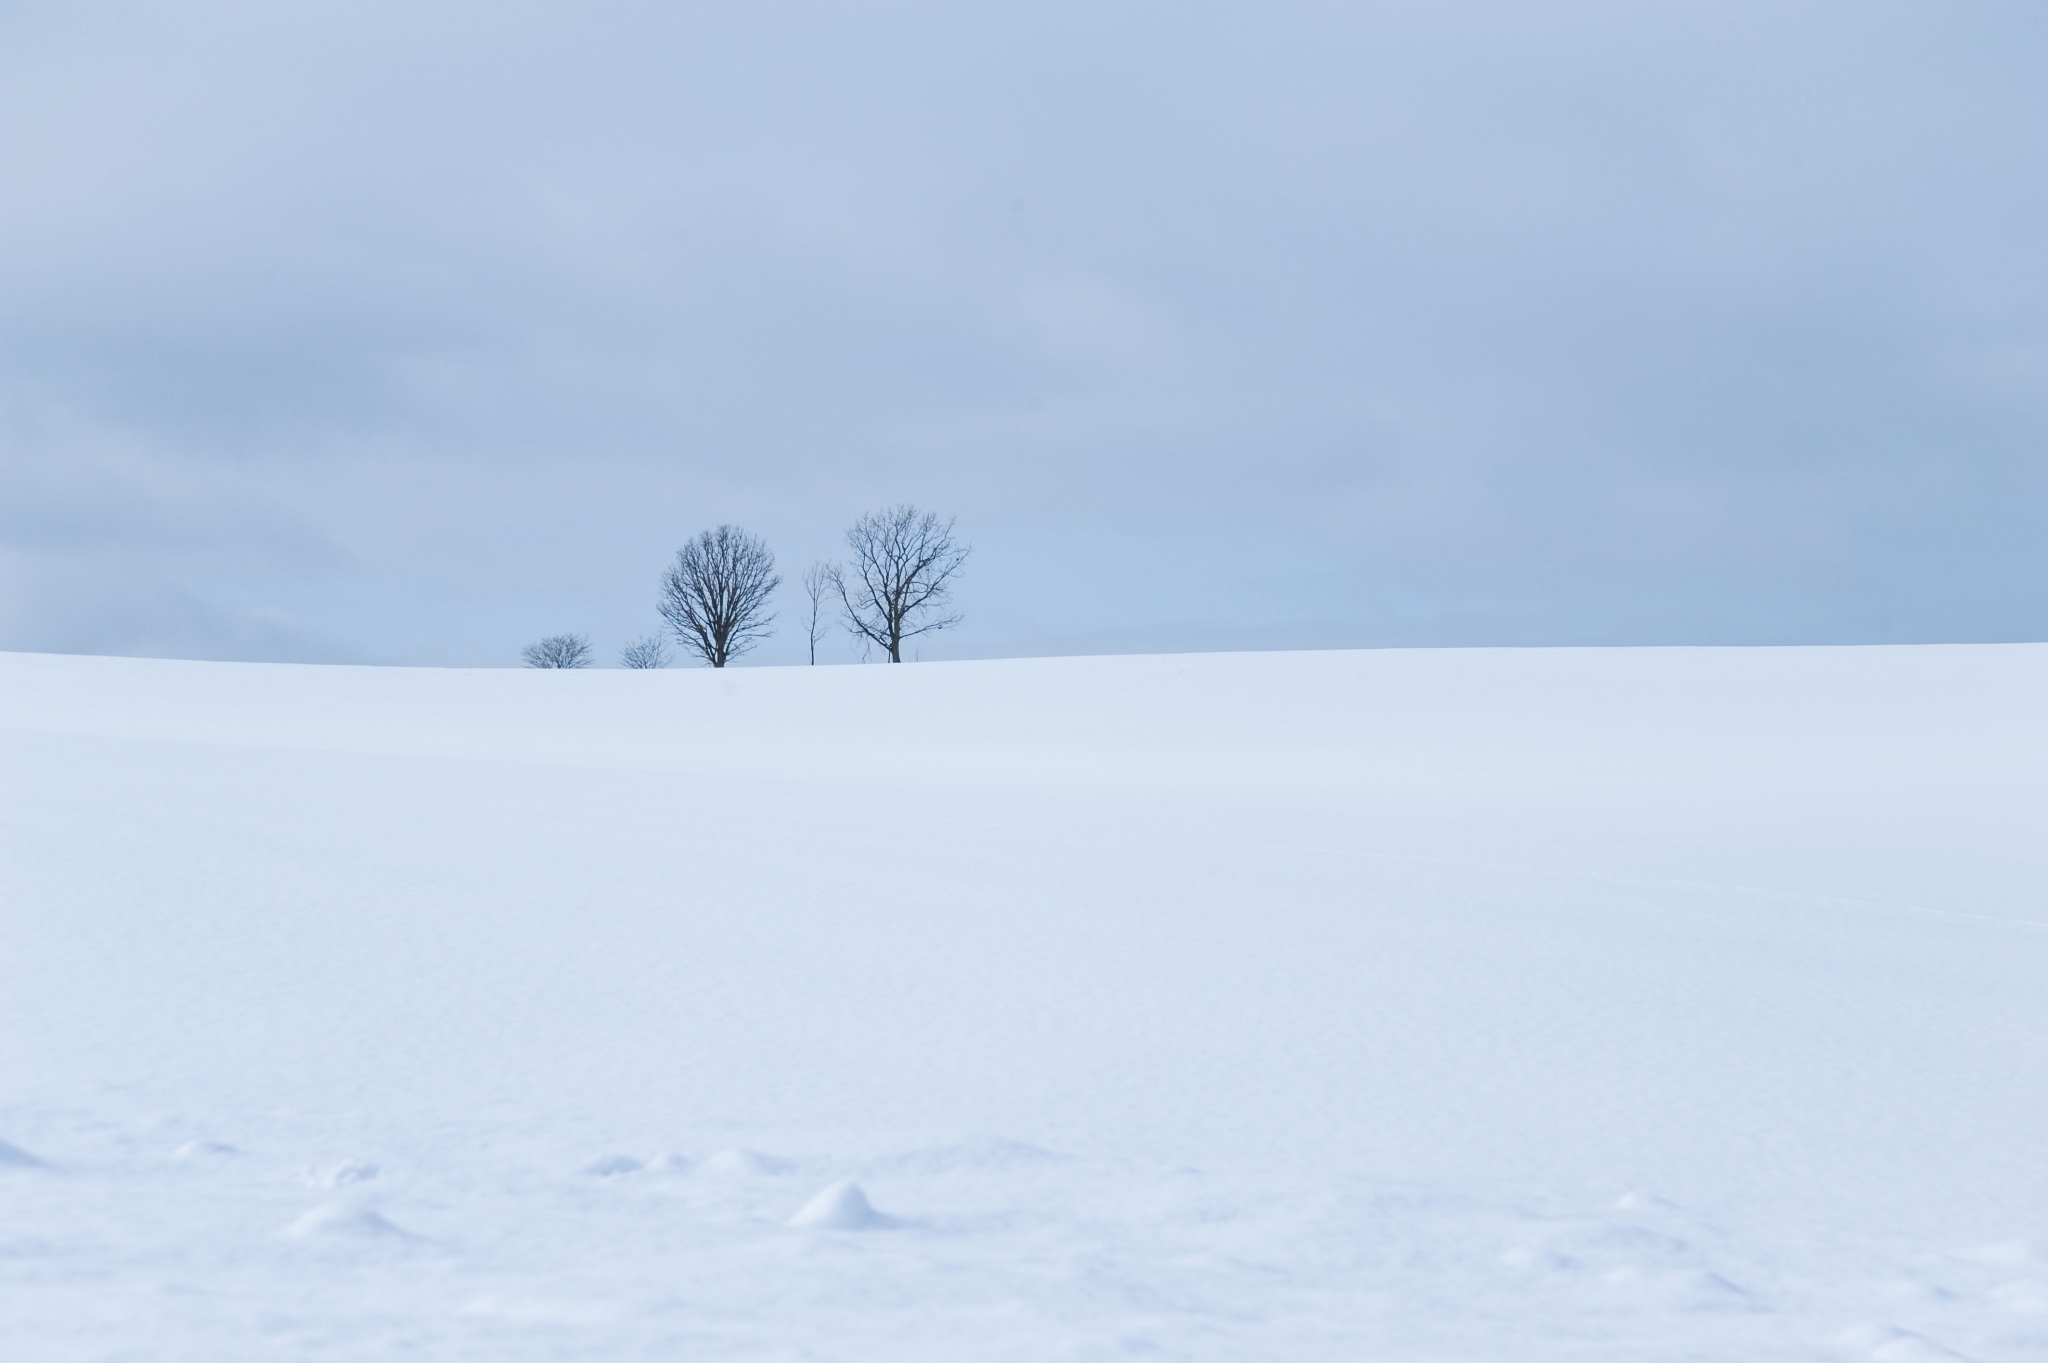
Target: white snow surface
(1470, 1004)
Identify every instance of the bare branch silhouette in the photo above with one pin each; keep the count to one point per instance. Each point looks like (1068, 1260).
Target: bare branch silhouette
(898, 585)
(820, 581)
(558, 650)
(650, 652)
(715, 595)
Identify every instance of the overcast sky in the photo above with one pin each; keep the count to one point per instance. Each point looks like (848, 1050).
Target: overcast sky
(409, 332)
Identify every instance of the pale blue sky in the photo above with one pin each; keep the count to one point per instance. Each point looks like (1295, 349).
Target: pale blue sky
(409, 332)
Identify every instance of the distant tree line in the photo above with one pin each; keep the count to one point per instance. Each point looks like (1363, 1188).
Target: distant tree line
(895, 587)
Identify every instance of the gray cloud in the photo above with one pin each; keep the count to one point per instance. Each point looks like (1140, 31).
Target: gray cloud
(407, 333)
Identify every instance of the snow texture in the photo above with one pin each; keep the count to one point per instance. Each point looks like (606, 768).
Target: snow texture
(345, 1174)
(13, 1157)
(1539, 1005)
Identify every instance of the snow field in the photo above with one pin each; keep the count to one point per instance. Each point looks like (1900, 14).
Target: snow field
(1548, 1004)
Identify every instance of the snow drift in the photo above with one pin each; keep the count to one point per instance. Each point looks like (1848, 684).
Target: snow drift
(1518, 1004)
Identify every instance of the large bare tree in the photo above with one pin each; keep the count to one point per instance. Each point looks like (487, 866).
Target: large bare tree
(818, 583)
(715, 595)
(899, 582)
(558, 650)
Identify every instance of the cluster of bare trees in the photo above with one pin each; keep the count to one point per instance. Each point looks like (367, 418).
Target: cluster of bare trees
(895, 587)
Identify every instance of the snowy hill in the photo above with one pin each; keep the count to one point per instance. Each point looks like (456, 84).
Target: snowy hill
(1632, 1004)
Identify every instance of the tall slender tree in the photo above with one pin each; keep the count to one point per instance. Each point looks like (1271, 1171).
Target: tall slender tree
(715, 595)
(818, 580)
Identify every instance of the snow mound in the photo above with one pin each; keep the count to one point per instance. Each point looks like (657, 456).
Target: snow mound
(843, 1206)
(1678, 1289)
(736, 1162)
(1889, 1344)
(611, 1166)
(14, 1157)
(343, 1175)
(199, 1150)
(343, 1221)
(671, 1163)
(1643, 1201)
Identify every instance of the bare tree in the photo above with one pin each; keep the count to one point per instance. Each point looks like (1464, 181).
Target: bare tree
(645, 653)
(898, 585)
(558, 650)
(819, 582)
(715, 595)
